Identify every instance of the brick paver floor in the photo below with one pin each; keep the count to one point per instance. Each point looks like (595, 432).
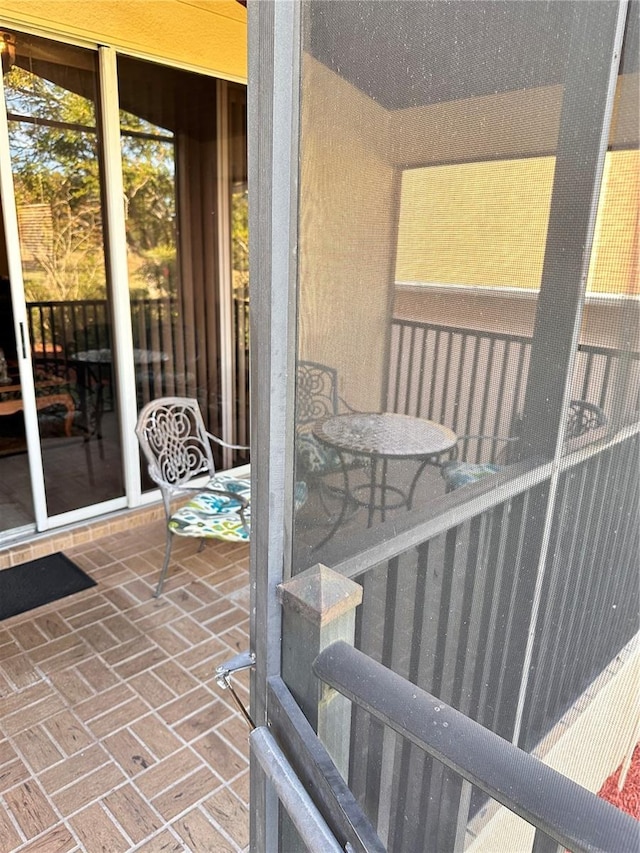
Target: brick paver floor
(113, 733)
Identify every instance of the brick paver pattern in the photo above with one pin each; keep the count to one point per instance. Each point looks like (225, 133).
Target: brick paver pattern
(113, 733)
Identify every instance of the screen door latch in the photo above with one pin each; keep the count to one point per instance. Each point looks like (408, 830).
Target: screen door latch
(245, 660)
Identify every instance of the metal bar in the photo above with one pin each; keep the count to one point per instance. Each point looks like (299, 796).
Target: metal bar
(52, 329)
(445, 381)
(542, 843)
(317, 772)
(596, 349)
(627, 541)
(497, 421)
(500, 528)
(274, 34)
(458, 507)
(487, 388)
(594, 48)
(434, 373)
(421, 369)
(606, 569)
(525, 349)
(118, 270)
(306, 818)
(399, 350)
(472, 386)
(445, 606)
(375, 742)
(18, 303)
(599, 518)
(470, 576)
(570, 814)
(459, 381)
(412, 346)
(492, 375)
(573, 629)
(587, 376)
(399, 828)
(604, 384)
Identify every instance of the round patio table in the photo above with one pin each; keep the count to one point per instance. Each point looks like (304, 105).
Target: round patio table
(89, 366)
(383, 437)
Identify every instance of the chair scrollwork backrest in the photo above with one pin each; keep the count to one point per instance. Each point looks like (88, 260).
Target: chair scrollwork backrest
(316, 392)
(583, 417)
(175, 442)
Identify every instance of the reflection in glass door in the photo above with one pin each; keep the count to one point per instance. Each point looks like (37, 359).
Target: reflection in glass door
(50, 95)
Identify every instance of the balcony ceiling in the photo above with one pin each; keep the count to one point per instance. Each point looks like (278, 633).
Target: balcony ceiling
(412, 54)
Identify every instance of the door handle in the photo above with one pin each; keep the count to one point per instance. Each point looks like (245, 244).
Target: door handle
(245, 660)
(23, 343)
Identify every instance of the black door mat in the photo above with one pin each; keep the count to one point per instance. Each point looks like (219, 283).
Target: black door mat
(38, 582)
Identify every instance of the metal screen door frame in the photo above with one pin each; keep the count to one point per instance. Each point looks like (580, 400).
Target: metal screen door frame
(273, 109)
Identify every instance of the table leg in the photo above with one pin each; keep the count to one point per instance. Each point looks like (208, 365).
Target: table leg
(86, 381)
(343, 509)
(372, 490)
(383, 491)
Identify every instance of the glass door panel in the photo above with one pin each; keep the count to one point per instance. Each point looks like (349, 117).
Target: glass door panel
(169, 154)
(50, 93)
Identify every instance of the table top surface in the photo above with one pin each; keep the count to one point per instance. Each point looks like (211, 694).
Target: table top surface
(105, 356)
(385, 434)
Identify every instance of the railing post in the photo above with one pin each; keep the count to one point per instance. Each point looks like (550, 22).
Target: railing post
(319, 607)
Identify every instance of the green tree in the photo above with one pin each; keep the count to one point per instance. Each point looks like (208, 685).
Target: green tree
(240, 243)
(56, 179)
(55, 162)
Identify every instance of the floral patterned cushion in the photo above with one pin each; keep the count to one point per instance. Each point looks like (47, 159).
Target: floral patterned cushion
(314, 457)
(210, 515)
(300, 494)
(457, 474)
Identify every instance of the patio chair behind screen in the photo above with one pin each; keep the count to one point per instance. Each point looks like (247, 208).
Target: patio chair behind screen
(317, 398)
(583, 417)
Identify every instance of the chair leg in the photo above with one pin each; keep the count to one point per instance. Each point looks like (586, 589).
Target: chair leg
(203, 542)
(163, 573)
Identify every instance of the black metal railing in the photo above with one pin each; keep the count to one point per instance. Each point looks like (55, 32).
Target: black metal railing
(561, 810)
(474, 381)
(452, 608)
(58, 330)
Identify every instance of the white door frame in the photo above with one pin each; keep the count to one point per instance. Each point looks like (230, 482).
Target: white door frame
(14, 260)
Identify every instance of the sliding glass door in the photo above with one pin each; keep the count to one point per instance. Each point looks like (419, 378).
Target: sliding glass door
(59, 333)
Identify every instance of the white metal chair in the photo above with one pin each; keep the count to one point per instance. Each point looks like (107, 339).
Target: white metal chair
(177, 448)
(582, 418)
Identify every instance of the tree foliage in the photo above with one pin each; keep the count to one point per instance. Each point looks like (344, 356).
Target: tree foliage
(240, 243)
(56, 168)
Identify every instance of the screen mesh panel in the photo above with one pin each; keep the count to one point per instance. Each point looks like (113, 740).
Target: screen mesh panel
(468, 313)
